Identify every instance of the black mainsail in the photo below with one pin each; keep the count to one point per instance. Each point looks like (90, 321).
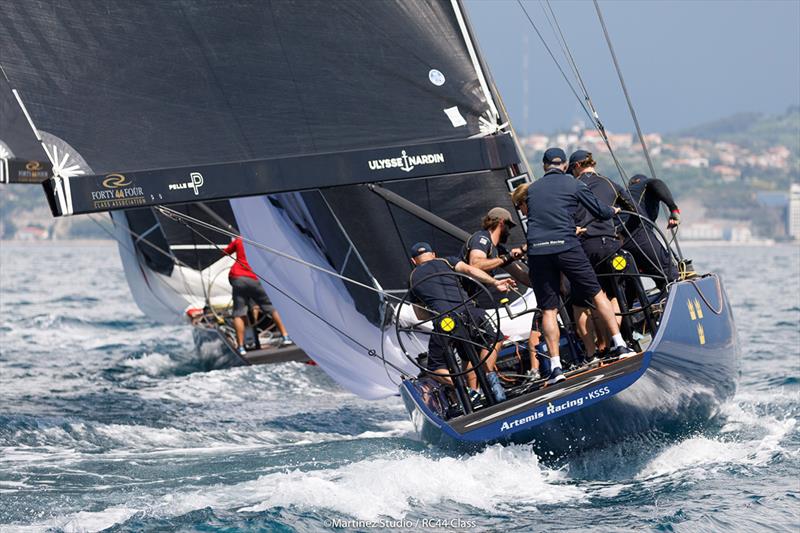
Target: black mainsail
(176, 102)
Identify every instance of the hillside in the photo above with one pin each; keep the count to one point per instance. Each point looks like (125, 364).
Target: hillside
(752, 130)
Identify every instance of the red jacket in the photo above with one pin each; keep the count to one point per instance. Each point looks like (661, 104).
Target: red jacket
(241, 268)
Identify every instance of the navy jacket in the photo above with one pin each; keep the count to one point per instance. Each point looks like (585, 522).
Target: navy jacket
(553, 200)
(480, 240)
(607, 193)
(441, 294)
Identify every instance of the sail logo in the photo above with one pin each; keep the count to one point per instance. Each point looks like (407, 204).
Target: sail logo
(196, 181)
(406, 162)
(122, 194)
(115, 181)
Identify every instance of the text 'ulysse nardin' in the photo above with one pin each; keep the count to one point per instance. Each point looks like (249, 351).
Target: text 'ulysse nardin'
(406, 162)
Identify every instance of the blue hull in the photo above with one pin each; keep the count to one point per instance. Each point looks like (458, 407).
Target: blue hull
(679, 382)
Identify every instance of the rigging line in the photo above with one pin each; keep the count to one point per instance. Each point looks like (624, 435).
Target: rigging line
(396, 227)
(625, 89)
(140, 238)
(596, 119)
(129, 249)
(173, 214)
(649, 241)
(176, 215)
(556, 28)
(598, 125)
(370, 352)
(572, 62)
(632, 111)
(552, 55)
(596, 116)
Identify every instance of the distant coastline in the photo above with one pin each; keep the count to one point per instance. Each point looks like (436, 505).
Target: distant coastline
(58, 242)
(734, 244)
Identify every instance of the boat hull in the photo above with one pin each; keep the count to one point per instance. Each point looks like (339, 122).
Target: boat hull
(215, 353)
(678, 383)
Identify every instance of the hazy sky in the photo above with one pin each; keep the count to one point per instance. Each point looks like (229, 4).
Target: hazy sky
(685, 62)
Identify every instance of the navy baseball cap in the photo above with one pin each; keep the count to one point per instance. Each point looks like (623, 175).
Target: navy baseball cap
(554, 156)
(419, 249)
(578, 156)
(636, 179)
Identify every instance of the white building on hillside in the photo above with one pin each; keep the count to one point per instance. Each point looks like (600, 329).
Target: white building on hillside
(794, 211)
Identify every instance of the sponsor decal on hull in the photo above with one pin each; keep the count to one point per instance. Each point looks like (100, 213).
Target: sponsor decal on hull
(554, 408)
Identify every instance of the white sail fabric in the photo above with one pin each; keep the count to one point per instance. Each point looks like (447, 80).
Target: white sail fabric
(167, 298)
(345, 361)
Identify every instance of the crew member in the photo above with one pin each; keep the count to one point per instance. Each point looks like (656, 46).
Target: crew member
(444, 293)
(599, 241)
(519, 199)
(246, 288)
(651, 255)
(485, 250)
(650, 193)
(554, 248)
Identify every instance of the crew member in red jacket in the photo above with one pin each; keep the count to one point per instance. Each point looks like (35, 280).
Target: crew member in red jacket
(246, 289)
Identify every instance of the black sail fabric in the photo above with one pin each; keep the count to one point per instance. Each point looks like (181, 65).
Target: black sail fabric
(158, 84)
(16, 132)
(178, 83)
(197, 247)
(22, 158)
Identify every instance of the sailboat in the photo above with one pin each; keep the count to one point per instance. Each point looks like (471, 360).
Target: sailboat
(340, 134)
(173, 278)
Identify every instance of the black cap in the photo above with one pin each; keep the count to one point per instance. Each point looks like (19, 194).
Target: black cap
(554, 156)
(420, 248)
(636, 179)
(578, 156)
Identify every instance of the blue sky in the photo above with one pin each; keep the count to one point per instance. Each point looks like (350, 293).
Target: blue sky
(685, 62)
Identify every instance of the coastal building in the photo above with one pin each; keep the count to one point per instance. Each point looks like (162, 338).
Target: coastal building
(793, 221)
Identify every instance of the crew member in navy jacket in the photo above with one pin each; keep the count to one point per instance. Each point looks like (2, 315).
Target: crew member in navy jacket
(599, 241)
(553, 248)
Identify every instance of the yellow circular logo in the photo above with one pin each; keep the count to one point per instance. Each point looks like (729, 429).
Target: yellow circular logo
(447, 324)
(619, 263)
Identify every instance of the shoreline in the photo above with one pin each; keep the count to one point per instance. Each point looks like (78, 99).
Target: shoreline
(734, 244)
(106, 242)
(60, 242)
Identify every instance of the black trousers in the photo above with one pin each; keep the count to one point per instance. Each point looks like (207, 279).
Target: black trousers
(651, 256)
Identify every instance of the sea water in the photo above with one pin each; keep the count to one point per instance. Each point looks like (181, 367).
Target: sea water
(109, 421)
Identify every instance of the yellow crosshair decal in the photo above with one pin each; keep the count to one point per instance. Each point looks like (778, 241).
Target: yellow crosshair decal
(447, 324)
(619, 263)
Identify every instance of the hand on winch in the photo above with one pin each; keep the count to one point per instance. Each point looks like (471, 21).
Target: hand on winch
(505, 285)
